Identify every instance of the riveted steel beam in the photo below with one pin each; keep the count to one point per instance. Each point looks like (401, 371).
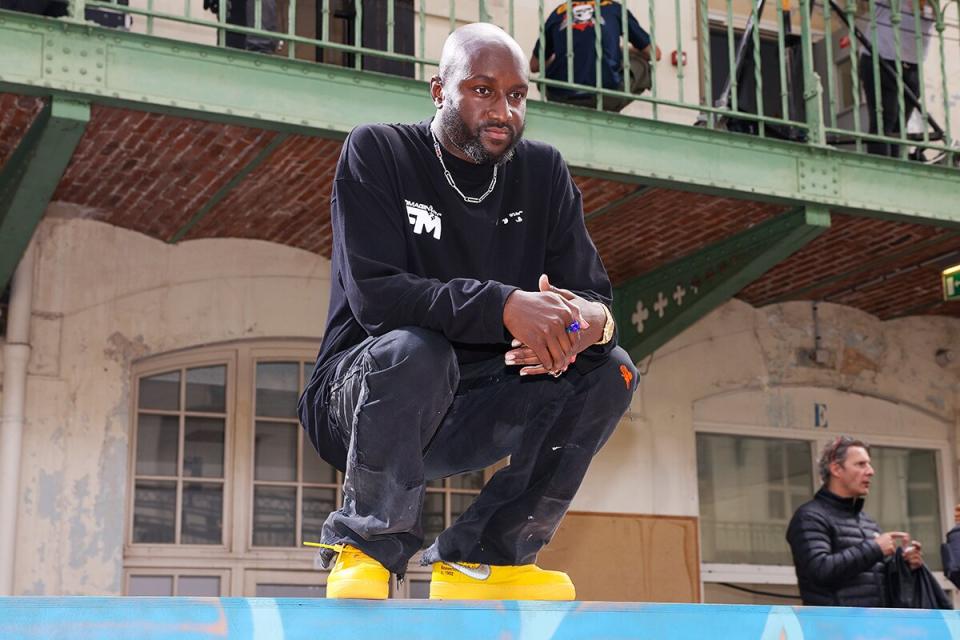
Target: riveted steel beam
(655, 307)
(32, 173)
(225, 190)
(46, 57)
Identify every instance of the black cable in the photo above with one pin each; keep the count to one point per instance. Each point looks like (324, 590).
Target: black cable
(757, 592)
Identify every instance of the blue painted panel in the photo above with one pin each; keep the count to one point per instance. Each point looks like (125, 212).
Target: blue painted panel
(290, 619)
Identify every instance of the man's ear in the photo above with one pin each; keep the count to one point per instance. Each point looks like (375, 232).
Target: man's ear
(436, 91)
(835, 469)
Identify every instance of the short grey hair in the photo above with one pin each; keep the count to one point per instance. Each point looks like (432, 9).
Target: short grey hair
(836, 451)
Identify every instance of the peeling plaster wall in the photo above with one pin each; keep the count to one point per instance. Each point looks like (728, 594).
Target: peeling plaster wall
(104, 297)
(649, 465)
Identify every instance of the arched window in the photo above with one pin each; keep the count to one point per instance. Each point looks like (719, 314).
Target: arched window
(224, 485)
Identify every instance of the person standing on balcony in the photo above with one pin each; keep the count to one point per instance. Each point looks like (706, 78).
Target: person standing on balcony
(885, 47)
(583, 20)
(243, 13)
(838, 550)
(469, 320)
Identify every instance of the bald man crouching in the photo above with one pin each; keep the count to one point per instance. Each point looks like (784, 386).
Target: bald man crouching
(469, 321)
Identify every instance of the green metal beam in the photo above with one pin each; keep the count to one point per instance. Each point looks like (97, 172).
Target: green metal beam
(654, 308)
(225, 190)
(607, 208)
(32, 173)
(47, 57)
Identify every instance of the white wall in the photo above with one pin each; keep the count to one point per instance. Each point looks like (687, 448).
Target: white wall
(106, 296)
(649, 465)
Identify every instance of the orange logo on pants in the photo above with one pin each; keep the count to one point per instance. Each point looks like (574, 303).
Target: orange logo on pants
(626, 375)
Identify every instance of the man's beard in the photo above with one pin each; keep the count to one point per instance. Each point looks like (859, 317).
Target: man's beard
(459, 134)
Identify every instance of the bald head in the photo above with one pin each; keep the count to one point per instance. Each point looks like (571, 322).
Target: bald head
(480, 93)
(471, 40)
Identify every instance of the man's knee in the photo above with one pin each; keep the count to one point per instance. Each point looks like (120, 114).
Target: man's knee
(614, 383)
(418, 356)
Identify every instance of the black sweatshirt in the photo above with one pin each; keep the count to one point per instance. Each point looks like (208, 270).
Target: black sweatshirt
(408, 251)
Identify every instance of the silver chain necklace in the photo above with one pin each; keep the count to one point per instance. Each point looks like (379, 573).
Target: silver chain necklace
(468, 199)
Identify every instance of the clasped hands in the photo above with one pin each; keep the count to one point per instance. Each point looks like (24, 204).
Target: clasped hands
(539, 321)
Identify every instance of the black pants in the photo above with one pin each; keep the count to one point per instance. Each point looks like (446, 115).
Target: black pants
(401, 411)
(888, 101)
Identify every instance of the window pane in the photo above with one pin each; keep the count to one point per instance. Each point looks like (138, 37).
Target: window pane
(203, 447)
(317, 505)
(433, 522)
(469, 480)
(291, 591)
(420, 589)
(274, 516)
(459, 503)
(157, 438)
(161, 392)
(745, 503)
(275, 452)
(150, 586)
(198, 586)
(278, 389)
(202, 513)
(154, 511)
(315, 469)
(307, 372)
(905, 496)
(206, 389)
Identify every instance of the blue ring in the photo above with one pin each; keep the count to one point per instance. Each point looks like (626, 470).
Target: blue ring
(573, 327)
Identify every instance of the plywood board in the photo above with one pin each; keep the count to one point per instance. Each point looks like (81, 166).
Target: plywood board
(627, 557)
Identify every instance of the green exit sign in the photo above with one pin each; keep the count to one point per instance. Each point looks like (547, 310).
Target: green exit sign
(951, 283)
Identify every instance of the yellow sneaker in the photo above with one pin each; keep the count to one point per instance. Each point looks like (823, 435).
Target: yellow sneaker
(470, 581)
(357, 575)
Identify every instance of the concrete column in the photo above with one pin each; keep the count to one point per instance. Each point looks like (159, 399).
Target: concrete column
(16, 355)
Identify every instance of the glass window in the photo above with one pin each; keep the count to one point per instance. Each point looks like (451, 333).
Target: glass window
(291, 591)
(203, 440)
(278, 389)
(749, 488)
(150, 586)
(185, 469)
(905, 496)
(294, 489)
(157, 445)
(446, 499)
(161, 392)
(177, 444)
(274, 516)
(206, 389)
(154, 512)
(198, 586)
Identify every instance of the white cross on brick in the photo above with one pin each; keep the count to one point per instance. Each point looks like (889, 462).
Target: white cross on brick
(661, 304)
(640, 316)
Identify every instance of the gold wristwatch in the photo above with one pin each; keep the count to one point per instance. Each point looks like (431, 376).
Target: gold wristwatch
(608, 326)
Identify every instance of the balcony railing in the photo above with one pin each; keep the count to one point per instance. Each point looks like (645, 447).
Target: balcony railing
(802, 73)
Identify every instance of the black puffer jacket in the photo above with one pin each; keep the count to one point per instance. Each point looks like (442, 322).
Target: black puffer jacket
(838, 561)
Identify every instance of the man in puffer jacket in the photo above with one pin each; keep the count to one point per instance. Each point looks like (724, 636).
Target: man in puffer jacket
(838, 550)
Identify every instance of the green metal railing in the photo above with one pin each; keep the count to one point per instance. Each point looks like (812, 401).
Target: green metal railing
(803, 72)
